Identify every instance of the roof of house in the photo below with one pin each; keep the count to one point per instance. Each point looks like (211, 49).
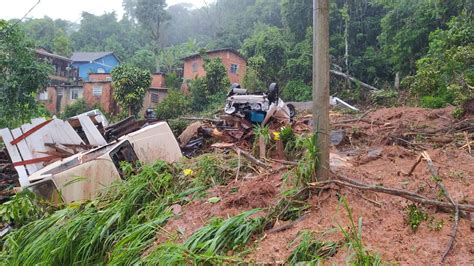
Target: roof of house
(215, 51)
(88, 56)
(45, 52)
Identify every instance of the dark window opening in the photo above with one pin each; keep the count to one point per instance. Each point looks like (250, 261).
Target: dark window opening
(123, 153)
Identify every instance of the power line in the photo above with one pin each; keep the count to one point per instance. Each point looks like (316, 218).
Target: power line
(16, 23)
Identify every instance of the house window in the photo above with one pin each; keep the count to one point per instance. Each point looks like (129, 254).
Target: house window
(43, 96)
(155, 98)
(75, 94)
(100, 70)
(60, 91)
(234, 68)
(97, 90)
(195, 67)
(108, 78)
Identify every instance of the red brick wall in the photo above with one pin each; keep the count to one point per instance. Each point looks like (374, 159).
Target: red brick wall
(228, 58)
(105, 101)
(147, 100)
(100, 77)
(158, 80)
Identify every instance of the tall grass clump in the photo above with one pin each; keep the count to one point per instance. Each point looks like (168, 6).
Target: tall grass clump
(215, 168)
(353, 237)
(209, 244)
(116, 227)
(311, 250)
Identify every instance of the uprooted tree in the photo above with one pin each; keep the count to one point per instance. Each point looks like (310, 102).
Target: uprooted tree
(130, 85)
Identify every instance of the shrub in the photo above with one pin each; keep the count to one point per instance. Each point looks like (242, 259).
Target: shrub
(433, 102)
(296, 90)
(173, 106)
(173, 81)
(384, 97)
(77, 107)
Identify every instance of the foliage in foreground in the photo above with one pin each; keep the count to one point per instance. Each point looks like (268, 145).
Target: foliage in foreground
(130, 85)
(353, 237)
(210, 243)
(311, 250)
(121, 222)
(22, 208)
(21, 76)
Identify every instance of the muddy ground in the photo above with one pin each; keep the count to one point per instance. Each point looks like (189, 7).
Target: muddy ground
(378, 147)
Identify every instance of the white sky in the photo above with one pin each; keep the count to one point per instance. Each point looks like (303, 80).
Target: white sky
(68, 9)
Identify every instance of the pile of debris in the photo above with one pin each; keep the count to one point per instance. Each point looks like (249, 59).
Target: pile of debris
(36, 145)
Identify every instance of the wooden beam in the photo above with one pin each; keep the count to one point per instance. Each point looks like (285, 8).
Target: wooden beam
(29, 132)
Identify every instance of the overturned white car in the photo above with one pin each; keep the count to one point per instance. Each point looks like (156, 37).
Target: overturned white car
(258, 107)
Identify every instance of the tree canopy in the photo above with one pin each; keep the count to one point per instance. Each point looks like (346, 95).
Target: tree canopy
(130, 86)
(22, 76)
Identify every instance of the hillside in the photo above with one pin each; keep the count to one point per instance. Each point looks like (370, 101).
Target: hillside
(168, 213)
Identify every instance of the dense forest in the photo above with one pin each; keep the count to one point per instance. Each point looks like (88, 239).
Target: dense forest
(372, 40)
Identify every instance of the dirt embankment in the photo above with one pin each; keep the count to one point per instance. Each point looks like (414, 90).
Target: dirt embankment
(379, 148)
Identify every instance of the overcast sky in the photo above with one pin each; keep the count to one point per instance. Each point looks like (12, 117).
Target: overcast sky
(68, 9)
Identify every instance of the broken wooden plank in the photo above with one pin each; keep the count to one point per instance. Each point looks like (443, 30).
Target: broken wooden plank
(24, 151)
(61, 148)
(15, 156)
(36, 160)
(92, 133)
(34, 140)
(29, 132)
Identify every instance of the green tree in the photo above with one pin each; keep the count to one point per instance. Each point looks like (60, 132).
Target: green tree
(271, 44)
(21, 76)
(50, 34)
(130, 85)
(297, 16)
(62, 44)
(151, 14)
(144, 59)
(407, 25)
(446, 73)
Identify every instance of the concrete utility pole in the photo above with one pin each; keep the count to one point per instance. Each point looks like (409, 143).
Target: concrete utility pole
(321, 84)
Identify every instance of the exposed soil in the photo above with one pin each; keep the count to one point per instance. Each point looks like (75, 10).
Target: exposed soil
(373, 153)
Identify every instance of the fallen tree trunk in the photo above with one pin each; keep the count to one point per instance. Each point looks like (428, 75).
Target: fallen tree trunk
(392, 191)
(351, 78)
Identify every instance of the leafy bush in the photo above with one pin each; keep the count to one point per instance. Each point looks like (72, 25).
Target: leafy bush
(130, 85)
(21, 209)
(384, 97)
(296, 90)
(212, 88)
(77, 107)
(173, 81)
(433, 102)
(415, 216)
(174, 105)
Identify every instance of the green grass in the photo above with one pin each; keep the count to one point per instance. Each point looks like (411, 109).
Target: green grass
(311, 250)
(353, 238)
(209, 244)
(116, 227)
(220, 236)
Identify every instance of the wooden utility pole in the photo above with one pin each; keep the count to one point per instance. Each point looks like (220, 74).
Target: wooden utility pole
(321, 84)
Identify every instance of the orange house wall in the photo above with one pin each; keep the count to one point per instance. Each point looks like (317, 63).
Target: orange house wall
(228, 58)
